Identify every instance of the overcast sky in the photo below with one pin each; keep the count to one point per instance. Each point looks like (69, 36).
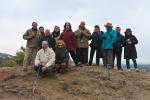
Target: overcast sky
(17, 15)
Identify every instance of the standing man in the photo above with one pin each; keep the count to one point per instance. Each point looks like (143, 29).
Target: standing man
(109, 38)
(117, 50)
(82, 36)
(31, 35)
(45, 59)
(96, 45)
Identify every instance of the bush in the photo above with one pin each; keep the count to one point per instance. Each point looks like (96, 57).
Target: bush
(20, 56)
(8, 63)
(17, 59)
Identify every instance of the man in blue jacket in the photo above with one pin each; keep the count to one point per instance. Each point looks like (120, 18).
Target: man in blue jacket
(109, 38)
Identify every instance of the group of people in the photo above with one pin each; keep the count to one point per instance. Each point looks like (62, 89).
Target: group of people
(47, 51)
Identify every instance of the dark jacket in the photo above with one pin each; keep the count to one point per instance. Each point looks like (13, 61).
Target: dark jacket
(96, 40)
(55, 34)
(51, 41)
(40, 40)
(69, 39)
(119, 43)
(130, 49)
(62, 55)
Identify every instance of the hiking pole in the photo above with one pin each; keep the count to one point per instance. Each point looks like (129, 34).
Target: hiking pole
(36, 79)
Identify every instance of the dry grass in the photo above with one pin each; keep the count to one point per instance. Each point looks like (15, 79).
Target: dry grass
(86, 83)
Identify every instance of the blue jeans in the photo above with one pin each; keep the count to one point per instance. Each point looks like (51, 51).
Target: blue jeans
(128, 63)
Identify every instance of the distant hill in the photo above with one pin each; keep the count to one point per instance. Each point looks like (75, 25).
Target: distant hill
(4, 56)
(140, 66)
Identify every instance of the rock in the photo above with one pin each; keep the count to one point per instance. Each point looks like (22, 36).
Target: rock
(6, 87)
(104, 76)
(12, 76)
(1, 91)
(65, 86)
(22, 92)
(11, 90)
(75, 82)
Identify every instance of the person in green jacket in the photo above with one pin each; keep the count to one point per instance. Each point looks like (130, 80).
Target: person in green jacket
(108, 40)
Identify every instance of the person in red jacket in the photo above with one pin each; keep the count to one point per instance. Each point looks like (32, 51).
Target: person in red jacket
(68, 36)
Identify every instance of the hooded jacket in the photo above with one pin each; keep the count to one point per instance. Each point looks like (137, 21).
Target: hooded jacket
(109, 38)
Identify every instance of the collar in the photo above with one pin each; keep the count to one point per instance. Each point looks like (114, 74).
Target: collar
(46, 49)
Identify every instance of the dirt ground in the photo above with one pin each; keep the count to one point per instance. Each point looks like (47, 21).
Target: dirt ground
(80, 83)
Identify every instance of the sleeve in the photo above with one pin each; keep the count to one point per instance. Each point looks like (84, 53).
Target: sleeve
(61, 36)
(103, 36)
(91, 36)
(37, 59)
(76, 33)
(134, 40)
(52, 59)
(66, 56)
(26, 35)
(87, 33)
(74, 40)
(123, 41)
(40, 42)
(114, 37)
(54, 44)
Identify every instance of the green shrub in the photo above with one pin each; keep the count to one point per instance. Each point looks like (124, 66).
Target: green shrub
(20, 56)
(8, 63)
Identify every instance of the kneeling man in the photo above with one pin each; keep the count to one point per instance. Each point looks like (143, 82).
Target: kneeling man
(44, 60)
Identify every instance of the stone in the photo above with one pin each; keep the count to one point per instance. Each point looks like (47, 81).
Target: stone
(104, 76)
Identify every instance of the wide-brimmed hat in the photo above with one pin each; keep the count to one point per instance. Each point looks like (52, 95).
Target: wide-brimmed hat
(108, 25)
(128, 30)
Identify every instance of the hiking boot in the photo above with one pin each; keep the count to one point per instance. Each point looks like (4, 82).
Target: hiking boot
(79, 64)
(129, 70)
